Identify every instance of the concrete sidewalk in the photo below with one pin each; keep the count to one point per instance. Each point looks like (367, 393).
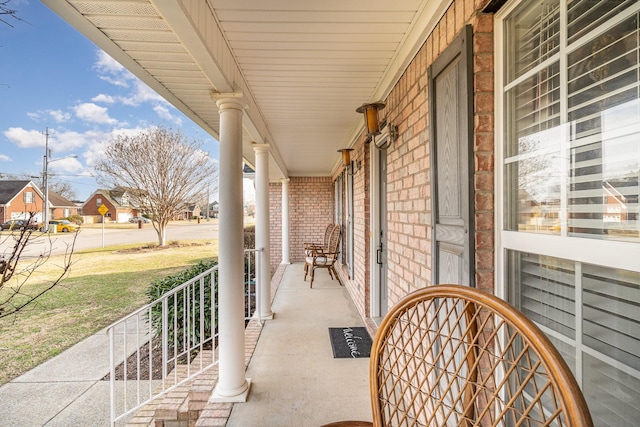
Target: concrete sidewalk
(66, 390)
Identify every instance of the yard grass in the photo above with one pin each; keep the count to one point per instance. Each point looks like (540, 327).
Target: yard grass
(103, 285)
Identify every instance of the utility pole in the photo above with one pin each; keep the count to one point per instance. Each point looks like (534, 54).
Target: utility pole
(45, 180)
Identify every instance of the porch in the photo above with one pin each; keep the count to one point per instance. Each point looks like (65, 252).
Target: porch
(294, 378)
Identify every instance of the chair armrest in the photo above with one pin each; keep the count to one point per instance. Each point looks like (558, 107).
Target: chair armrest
(350, 424)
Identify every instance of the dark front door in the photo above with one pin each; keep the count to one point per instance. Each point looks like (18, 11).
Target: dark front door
(451, 99)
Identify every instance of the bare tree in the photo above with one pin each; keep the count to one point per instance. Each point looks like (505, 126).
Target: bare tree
(62, 188)
(16, 268)
(162, 168)
(5, 10)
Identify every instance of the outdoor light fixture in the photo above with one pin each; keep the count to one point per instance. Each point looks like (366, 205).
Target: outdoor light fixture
(371, 116)
(346, 156)
(346, 161)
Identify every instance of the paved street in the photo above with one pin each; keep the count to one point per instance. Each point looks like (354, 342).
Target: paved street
(92, 237)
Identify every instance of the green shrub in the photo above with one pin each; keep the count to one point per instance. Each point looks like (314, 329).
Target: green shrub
(250, 237)
(161, 286)
(178, 333)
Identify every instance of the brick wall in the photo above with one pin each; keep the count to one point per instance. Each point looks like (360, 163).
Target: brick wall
(310, 210)
(275, 225)
(409, 188)
(358, 284)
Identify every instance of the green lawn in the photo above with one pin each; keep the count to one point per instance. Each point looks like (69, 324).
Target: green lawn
(103, 286)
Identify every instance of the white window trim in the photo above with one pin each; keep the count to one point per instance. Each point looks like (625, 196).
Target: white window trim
(614, 254)
(606, 253)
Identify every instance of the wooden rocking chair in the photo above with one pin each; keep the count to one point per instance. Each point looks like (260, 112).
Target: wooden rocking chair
(450, 355)
(309, 247)
(324, 257)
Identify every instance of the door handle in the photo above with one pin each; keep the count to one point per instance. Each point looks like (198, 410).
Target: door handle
(379, 255)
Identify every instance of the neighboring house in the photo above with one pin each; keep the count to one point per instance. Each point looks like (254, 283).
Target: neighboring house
(119, 202)
(61, 207)
(214, 208)
(18, 199)
(189, 211)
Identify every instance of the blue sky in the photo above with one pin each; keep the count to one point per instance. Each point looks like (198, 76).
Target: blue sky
(52, 77)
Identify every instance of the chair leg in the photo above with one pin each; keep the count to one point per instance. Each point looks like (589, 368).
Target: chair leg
(313, 272)
(306, 271)
(335, 274)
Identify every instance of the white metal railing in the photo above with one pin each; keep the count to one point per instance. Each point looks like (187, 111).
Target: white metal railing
(252, 276)
(169, 341)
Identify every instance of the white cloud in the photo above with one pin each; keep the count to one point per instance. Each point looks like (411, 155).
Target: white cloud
(107, 64)
(61, 141)
(137, 92)
(59, 115)
(25, 138)
(140, 94)
(4, 158)
(93, 113)
(96, 141)
(105, 99)
(66, 141)
(65, 165)
(164, 113)
(111, 71)
(34, 116)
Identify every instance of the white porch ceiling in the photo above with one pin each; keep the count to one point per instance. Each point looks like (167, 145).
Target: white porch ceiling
(303, 66)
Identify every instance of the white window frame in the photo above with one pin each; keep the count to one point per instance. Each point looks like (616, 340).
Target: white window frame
(598, 252)
(614, 254)
(349, 226)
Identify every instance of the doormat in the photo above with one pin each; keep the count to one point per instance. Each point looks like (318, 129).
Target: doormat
(350, 342)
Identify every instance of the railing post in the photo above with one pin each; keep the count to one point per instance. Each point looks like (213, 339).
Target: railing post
(259, 289)
(112, 377)
(165, 339)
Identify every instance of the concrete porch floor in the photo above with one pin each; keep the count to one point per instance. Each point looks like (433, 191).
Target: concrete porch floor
(295, 379)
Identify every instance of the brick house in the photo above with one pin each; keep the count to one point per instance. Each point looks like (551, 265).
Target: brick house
(61, 207)
(121, 207)
(188, 212)
(496, 112)
(18, 199)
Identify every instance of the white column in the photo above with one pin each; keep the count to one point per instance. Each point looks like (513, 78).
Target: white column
(232, 384)
(285, 221)
(263, 240)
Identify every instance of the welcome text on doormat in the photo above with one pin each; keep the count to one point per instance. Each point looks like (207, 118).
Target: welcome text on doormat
(350, 342)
